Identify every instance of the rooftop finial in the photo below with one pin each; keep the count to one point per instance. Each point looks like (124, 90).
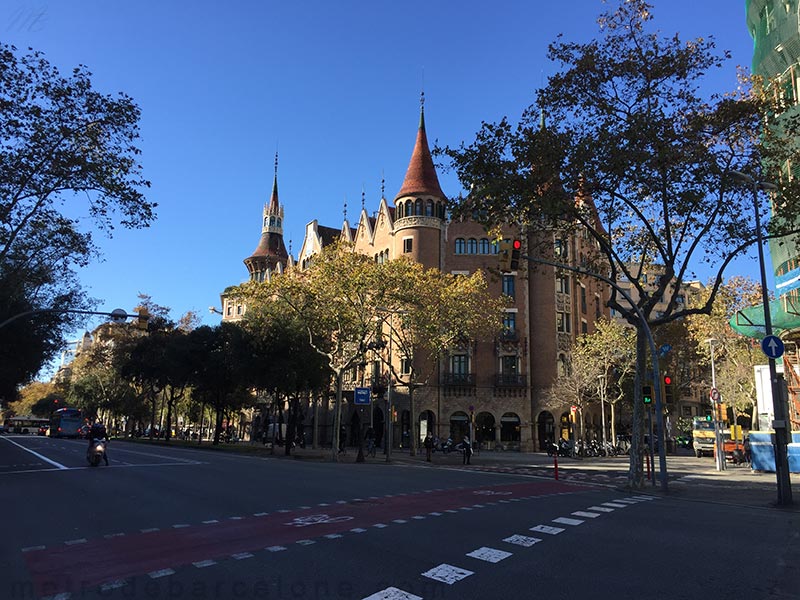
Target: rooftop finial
(383, 185)
(363, 200)
(345, 208)
(276, 163)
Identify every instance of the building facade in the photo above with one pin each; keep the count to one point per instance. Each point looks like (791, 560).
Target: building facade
(492, 389)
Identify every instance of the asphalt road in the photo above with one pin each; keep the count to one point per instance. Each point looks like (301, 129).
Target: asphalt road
(165, 522)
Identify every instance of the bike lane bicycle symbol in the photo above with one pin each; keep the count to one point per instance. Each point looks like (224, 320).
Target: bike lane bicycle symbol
(316, 520)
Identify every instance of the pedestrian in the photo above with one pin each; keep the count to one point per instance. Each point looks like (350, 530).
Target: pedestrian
(370, 437)
(342, 439)
(747, 455)
(467, 446)
(428, 443)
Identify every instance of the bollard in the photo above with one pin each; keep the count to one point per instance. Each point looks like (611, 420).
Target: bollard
(555, 464)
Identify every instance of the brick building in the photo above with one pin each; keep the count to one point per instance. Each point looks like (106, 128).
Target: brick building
(495, 386)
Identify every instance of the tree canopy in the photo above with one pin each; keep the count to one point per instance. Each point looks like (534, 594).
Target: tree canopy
(68, 155)
(624, 145)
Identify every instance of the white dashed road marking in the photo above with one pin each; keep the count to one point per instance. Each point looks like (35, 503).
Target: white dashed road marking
(547, 529)
(392, 593)
(161, 573)
(568, 521)
(588, 515)
(604, 509)
(522, 540)
(447, 574)
(614, 505)
(489, 554)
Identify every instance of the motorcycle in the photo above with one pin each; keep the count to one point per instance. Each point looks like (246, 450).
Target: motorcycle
(447, 446)
(96, 452)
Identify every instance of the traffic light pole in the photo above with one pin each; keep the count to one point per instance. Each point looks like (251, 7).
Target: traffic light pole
(662, 456)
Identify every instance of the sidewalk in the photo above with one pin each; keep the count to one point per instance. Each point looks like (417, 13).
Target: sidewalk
(689, 478)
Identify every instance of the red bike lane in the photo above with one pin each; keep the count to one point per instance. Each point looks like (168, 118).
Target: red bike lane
(75, 567)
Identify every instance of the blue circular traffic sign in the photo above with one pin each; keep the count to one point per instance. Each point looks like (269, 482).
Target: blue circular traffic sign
(772, 346)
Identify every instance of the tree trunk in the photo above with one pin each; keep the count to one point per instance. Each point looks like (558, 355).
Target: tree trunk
(412, 443)
(337, 418)
(636, 470)
(200, 433)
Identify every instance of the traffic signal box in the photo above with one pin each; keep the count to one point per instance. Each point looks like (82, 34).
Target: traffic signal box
(516, 252)
(647, 394)
(668, 397)
(508, 254)
(143, 320)
(722, 412)
(504, 255)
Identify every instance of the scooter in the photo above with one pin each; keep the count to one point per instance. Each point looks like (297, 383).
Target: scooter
(96, 452)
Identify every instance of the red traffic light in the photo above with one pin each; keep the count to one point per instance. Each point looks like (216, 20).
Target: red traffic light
(667, 380)
(517, 245)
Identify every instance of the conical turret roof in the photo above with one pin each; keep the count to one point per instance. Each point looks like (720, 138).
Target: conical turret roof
(421, 175)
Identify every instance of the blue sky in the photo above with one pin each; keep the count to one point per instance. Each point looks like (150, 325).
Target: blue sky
(333, 86)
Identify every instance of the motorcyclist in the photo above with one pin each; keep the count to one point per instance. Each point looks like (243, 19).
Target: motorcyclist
(98, 432)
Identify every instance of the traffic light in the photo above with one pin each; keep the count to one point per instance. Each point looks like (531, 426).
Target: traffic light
(504, 255)
(144, 318)
(668, 389)
(647, 394)
(516, 250)
(722, 412)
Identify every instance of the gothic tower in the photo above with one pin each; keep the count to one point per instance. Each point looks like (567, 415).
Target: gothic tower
(270, 255)
(420, 207)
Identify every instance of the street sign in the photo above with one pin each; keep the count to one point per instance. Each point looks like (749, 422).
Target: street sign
(714, 394)
(361, 395)
(573, 408)
(664, 350)
(772, 346)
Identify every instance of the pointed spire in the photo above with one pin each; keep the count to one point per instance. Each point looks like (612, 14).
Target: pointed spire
(345, 208)
(383, 185)
(363, 198)
(421, 175)
(273, 201)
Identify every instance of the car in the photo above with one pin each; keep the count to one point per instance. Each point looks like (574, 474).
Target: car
(43, 430)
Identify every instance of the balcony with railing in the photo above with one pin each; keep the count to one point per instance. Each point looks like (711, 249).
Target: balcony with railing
(458, 379)
(510, 380)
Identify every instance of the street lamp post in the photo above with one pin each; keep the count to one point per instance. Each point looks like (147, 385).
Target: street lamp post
(779, 407)
(719, 455)
(602, 379)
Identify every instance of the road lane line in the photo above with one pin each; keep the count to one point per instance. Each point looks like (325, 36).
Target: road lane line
(447, 573)
(392, 593)
(37, 455)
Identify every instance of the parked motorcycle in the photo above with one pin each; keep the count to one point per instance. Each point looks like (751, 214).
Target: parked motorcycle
(447, 446)
(96, 452)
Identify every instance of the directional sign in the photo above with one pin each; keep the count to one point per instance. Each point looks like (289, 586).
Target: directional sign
(772, 346)
(361, 395)
(664, 350)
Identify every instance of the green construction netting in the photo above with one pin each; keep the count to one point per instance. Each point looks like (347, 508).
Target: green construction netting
(785, 316)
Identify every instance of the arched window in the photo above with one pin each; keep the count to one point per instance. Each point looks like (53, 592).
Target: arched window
(429, 208)
(460, 246)
(400, 207)
(418, 206)
(483, 246)
(472, 246)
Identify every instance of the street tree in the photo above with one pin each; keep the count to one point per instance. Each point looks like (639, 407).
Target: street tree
(337, 299)
(735, 355)
(281, 364)
(68, 157)
(428, 313)
(648, 158)
(218, 357)
(608, 359)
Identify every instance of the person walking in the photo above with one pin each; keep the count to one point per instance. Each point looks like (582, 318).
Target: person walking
(467, 447)
(428, 443)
